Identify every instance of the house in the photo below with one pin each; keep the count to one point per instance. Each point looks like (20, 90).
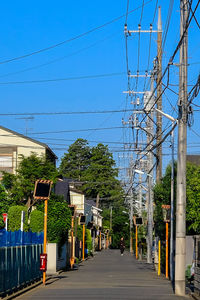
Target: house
(13, 145)
(77, 198)
(93, 214)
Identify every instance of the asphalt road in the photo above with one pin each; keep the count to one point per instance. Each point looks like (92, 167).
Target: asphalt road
(106, 276)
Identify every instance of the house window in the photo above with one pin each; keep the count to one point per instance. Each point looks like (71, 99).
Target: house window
(6, 162)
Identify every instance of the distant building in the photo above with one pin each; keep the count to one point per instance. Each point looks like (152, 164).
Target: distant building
(194, 159)
(93, 214)
(13, 145)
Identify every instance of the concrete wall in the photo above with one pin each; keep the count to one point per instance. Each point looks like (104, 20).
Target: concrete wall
(54, 261)
(189, 250)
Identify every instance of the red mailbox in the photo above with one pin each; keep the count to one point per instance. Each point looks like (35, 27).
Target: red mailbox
(43, 262)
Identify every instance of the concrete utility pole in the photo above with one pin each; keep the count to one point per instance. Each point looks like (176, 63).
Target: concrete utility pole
(150, 128)
(181, 161)
(159, 97)
(131, 223)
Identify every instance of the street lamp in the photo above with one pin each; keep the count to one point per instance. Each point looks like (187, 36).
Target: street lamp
(173, 120)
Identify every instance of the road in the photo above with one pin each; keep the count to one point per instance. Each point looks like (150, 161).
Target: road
(106, 276)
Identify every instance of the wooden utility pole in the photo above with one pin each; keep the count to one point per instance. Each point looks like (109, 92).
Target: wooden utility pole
(159, 99)
(181, 160)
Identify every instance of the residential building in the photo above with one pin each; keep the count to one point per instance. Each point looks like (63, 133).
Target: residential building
(14, 145)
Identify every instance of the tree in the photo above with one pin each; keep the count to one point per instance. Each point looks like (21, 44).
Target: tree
(101, 175)
(162, 195)
(14, 217)
(95, 168)
(5, 201)
(76, 161)
(59, 219)
(120, 225)
(20, 187)
(36, 221)
(193, 199)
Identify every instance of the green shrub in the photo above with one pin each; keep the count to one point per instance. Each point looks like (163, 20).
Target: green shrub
(36, 221)
(2, 224)
(80, 232)
(88, 240)
(14, 217)
(58, 219)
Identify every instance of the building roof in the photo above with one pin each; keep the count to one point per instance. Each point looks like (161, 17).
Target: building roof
(193, 158)
(30, 139)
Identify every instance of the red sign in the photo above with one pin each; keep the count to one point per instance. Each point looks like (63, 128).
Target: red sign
(4, 217)
(43, 262)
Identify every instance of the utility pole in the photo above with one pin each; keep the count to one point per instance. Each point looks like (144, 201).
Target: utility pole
(181, 161)
(159, 99)
(131, 223)
(149, 108)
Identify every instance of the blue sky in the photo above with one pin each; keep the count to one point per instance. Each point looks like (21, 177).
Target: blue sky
(28, 26)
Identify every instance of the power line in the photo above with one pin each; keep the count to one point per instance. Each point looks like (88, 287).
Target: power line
(77, 130)
(63, 79)
(65, 113)
(69, 40)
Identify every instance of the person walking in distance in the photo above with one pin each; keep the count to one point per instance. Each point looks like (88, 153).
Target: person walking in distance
(122, 246)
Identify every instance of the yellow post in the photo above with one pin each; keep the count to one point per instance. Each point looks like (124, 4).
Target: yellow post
(100, 240)
(159, 252)
(45, 235)
(72, 244)
(167, 246)
(83, 246)
(107, 240)
(136, 242)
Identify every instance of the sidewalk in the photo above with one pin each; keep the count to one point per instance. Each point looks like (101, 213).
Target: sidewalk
(106, 276)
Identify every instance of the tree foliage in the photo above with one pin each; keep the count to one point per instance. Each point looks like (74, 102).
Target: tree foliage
(36, 221)
(120, 225)
(59, 219)
(193, 199)
(20, 187)
(95, 168)
(162, 195)
(14, 217)
(76, 161)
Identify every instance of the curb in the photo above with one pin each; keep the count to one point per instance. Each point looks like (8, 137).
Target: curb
(24, 290)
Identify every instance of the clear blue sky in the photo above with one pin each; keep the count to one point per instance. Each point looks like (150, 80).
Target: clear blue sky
(28, 26)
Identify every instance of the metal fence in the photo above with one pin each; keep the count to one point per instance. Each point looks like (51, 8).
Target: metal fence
(16, 238)
(19, 266)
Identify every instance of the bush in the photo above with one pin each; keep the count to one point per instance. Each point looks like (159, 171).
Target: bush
(2, 224)
(80, 232)
(14, 217)
(36, 221)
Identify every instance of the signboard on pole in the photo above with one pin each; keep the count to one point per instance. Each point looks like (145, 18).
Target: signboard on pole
(42, 189)
(5, 219)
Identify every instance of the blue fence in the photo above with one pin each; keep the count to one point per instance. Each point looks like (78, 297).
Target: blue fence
(16, 238)
(19, 266)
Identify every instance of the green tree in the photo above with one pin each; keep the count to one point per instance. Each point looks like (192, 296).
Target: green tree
(59, 219)
(120, 225)
(5, 201)
(36, 221)
(193, 199)
(95, 167)
(76, 161)
(14, 217)
(101, 174)
(20, 187)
